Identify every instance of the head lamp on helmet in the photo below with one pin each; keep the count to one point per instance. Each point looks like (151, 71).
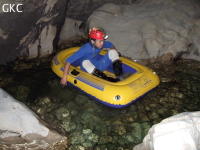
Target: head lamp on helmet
(97, 33)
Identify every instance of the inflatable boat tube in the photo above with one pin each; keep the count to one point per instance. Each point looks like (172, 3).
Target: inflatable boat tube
(139, 80)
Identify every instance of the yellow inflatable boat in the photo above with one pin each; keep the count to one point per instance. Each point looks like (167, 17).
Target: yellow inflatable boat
(140, 81)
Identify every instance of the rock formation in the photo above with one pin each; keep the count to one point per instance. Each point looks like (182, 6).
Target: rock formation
(32, 28)
(177, 132)
(29, 29)
(21, 128)
(152, 29)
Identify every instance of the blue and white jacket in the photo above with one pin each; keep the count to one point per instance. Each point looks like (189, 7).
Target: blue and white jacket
(87, 52)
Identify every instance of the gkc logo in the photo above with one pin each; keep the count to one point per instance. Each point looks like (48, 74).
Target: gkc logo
(12, 8)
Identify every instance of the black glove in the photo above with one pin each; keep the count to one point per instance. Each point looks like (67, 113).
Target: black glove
(119, 54)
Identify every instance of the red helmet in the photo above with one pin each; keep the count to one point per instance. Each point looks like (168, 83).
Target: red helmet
(97, 33)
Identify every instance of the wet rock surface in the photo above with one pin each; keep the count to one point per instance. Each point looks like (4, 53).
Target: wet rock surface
(91, 125)
(21, 128)
(151, 32)
(171, 133)
(82, 9)
(32, 32)
(31, 28)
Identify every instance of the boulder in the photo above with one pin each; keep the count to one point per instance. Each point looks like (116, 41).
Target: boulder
(21, 128)
(151, 29)
(179, 132)
(71, 31)
(76, 17)
(82, 9)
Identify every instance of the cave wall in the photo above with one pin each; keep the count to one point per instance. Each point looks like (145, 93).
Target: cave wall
(155, 30)
(35, 31)
(20, 32)
(82, 9)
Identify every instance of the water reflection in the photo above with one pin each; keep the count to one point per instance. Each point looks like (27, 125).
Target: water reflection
(91, 125)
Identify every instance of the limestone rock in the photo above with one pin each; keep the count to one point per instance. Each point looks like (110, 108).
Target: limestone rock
(70, 30)
(34, 29)
(76, 17)
(151, 29)
(22, 128)
(32, 32)
(139, 29)
(179, 132)
(82, 9)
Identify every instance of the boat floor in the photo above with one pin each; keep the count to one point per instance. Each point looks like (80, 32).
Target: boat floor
(110, 74)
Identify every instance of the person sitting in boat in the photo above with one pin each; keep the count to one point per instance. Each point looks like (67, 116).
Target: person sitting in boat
(88, 54)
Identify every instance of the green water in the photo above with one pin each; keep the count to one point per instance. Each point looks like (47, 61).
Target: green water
(94, 126)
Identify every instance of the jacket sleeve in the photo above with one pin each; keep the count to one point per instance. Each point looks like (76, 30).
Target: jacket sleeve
(80, 53)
